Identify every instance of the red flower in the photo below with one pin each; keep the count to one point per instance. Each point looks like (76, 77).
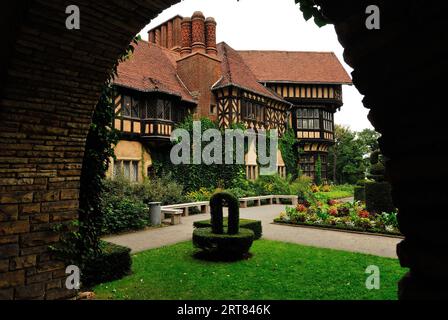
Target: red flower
(364, 214)
(301, 208)
(333, 211)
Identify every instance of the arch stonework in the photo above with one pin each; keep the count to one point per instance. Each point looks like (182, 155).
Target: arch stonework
(51, 79)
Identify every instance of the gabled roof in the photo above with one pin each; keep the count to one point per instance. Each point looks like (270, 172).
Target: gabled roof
(296, 67)
(235, 72)
(152, 69)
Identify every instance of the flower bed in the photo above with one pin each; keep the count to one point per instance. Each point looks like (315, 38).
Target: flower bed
(337, 215)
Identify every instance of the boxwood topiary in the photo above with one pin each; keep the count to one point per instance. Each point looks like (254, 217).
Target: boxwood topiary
(254, 225)
(113, 263)
(231, 242)
(225, 245)
(378, 197)
(360, 193)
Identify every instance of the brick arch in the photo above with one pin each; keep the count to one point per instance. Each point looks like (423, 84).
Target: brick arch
(51, 78)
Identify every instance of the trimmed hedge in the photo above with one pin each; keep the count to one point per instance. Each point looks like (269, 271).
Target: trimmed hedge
(114, 263)
(226, 245)
(378, 197)
(253, 225)
(360, 193)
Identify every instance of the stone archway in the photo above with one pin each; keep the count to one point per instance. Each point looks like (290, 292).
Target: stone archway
(51, 79)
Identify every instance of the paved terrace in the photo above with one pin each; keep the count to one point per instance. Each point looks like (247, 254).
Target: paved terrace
(369, 244)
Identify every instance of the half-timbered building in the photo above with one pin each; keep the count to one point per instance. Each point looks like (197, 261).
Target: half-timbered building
(181, 70)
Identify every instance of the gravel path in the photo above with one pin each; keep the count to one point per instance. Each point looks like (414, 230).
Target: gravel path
(370, 244)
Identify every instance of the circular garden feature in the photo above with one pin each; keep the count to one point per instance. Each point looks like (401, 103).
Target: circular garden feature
(229, 243)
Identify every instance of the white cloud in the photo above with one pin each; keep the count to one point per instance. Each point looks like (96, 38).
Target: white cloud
(272, 25)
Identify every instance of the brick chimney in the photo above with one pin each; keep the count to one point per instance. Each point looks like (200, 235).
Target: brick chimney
(186, 36)
(199, 68)
(210, 37)
(168, 34)
(198, 32)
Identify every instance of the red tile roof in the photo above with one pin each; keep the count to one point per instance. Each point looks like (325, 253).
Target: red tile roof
(152, 68)
(236, 72)
(296, 67)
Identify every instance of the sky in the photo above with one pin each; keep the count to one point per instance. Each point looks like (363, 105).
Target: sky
(272, 25)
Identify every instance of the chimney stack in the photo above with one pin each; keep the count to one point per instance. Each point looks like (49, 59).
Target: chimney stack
(210, 37)
(168, 34)
(198, 32)
(186, 36)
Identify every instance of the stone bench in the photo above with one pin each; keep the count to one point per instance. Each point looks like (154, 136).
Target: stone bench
(257, 200)
(270, 198)
(174, 214)
(185, 207)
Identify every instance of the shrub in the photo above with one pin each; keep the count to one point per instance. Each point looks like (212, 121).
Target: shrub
(164, 190)
(123, 213)
(360, 193)
(113, 263)
(253, 225)
(231, 242)
(202, 194)
(275, 184)
(225, 245)
(302, 184)
(378, 197)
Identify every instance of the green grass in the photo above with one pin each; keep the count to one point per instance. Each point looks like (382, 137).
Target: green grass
(338, 192)
(277, 270)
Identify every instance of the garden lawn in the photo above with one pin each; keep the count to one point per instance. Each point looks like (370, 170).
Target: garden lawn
(277, 271)
(337, 192)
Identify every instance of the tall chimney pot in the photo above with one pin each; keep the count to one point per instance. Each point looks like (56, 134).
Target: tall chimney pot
(198, 32)
(186, 36)
(210, 37)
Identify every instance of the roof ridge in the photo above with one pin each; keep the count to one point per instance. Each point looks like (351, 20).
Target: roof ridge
(288, 51)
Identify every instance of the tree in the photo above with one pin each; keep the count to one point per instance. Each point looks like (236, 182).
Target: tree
(369, 140)
(346, 157)
(319, 171)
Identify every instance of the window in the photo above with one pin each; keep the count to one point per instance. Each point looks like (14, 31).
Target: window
(308, 119)
(159, 109)
(328, 121)
(135, 109)
(130, 107)
(253, 111)
(126, 106)
(212, 109)
(128, 169)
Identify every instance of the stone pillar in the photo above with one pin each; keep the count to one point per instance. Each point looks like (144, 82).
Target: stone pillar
(198, 32)
(210, 37)
(186, 36)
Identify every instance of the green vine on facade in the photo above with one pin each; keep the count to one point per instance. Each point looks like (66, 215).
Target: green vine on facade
(83, 245)
(288, 145)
